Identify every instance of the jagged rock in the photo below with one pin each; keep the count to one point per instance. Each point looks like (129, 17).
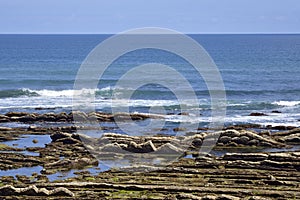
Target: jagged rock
(148, 147)
(32, 190)
(79, 116)
(169, 149)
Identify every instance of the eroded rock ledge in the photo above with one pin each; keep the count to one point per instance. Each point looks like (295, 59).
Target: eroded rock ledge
(32, 190)
(72, 116)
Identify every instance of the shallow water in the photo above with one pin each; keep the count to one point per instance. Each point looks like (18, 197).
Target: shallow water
(28, 171)
(70, 174)
(27, 141)
(27, 153)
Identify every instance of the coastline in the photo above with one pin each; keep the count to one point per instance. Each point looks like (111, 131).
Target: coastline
(248, 162)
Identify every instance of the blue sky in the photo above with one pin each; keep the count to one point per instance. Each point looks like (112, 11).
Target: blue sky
(113, 16)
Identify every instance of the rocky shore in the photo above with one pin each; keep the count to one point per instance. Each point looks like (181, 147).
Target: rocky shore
(244, 164)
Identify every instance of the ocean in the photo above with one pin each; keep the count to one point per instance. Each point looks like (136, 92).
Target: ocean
(261, 73)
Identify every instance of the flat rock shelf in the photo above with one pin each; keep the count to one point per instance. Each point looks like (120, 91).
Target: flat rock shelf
(244, 164)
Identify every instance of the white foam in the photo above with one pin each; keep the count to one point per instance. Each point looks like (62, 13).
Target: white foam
(62, 93)
(287, 103)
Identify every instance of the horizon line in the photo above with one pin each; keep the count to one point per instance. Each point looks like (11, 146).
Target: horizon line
(191, 33)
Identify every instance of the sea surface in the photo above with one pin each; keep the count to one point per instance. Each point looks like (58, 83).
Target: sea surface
(261, 73)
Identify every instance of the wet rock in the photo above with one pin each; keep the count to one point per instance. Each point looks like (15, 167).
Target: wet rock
(78, 116)
(243, 126)
(276, 111)
(48, 117)
(77, 163)
(230, 133)
(7, 179)
(42, 108)
(148, 147)
(276, 164)
(5, 129)
(282, 127)
(60, 135)
(32, 128)
(253, 142)
(287, 133)
(35, 141)
(23, 179)
(294, 139)
(68, 140)
(178, 129)
(265, 144)
(197, 142)
(138, 116)
(17, 160)
(27, 118)
(241, 140)
(232, 144)
(4, 118)
(257, 114)
(282, 157)
(63, 117)
(263, 141)
(225, 139)
(184, 113)
(246, 156)
(267, 133)
(16, 114)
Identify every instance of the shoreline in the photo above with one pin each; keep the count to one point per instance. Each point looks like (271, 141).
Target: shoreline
(239, 166)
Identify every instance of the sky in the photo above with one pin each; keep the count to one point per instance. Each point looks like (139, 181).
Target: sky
(113, 16)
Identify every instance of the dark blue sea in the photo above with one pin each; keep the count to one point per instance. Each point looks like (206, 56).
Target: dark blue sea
(261, 73)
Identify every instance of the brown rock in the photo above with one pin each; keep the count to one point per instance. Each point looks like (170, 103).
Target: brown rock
(257, 114)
